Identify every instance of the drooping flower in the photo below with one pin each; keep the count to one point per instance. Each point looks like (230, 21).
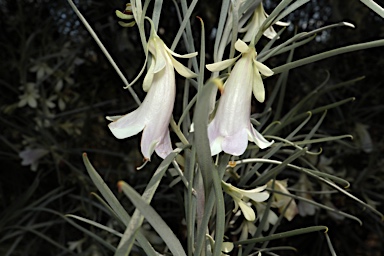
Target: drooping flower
(257, 19)
(32, 156)
(241, 198)
(230, 129)
(153, 115)
(282, 201)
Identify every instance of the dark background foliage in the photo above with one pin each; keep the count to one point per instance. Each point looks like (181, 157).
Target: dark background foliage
(42, 31)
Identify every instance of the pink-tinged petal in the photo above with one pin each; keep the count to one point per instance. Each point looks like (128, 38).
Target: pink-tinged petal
(231, 128)
(215, 139)
(164, 148)
(258, 139)
(235, 144)
(153, 115)
(159, 106)
(149, 141)
(128, 125)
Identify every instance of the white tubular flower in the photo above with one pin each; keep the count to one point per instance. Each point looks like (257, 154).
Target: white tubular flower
(241, 198)
(154, 114)
(281, 201)
(230, 129)
(258, 17)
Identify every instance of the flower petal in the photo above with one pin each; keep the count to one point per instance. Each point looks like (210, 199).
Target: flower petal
(182, 70)
(257, 197)
(127, 24)
(248, 212)
(235, 144)
(270, 32)
(266, 71)
(258, 139)
(227, 247)
(112, 118)
(159, 58)
(215, 139)
(241, 46)
(185, 56)
(148, 143)
(258, 85)
(220, 65)
(164, 148)
(123, 16)
(128, 125)
(283, 24)
(149, 76)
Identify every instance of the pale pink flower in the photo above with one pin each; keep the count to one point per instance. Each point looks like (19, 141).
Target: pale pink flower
(230, 129)
(153, 115)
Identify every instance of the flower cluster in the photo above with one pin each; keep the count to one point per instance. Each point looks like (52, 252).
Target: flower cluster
(229, 130)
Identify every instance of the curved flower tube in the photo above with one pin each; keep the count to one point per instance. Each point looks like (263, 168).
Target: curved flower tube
(153, 115)
(230, 129)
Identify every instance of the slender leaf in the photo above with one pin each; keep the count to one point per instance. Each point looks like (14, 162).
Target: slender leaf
(154, 219)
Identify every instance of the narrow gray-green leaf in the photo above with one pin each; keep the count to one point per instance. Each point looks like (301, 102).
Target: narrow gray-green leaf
(374, 7)
(220, 213)
(115, 204)
(154, 219)
(295, 232)
(328, 54)
(104, 50)
(201, 141)
(95, 224)
(126, 242)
